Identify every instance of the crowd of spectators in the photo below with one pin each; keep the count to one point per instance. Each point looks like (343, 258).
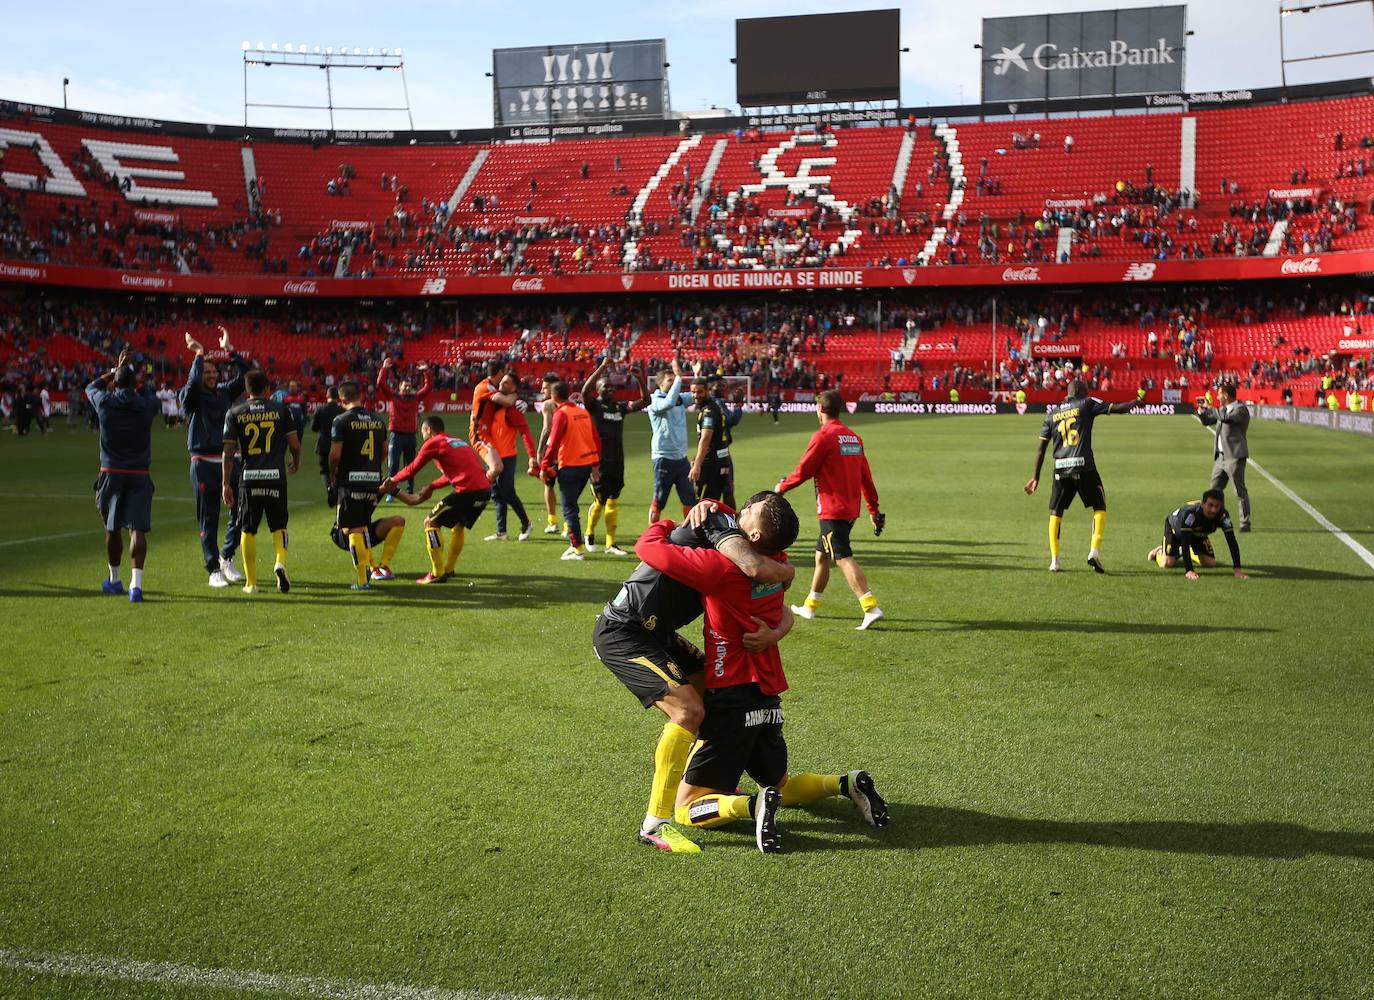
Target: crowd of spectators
(780, 342)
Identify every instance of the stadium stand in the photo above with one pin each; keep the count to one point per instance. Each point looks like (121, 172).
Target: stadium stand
(1262, 180)
(1280, 180)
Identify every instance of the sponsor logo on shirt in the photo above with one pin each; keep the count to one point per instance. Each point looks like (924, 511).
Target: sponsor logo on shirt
(763, 717)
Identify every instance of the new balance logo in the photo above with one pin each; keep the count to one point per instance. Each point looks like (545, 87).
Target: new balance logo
(434, 286)
(1139, 272)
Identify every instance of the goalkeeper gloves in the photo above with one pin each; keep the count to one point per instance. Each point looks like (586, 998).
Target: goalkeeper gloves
(1140, 394)
(879, 523)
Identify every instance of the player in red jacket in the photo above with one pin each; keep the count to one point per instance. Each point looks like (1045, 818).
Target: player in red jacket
(742, 730)
(471, 478)
(835, 459)
(402, 412)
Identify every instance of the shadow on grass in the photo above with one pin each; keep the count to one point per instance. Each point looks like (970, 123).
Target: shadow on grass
(1305, 573)
(917, 826)
(1030, 625)
(833, 826)
(519, 591)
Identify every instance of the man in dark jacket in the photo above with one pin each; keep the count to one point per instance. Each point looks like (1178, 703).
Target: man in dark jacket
(205, 402)
(124, 489)
(322, 423)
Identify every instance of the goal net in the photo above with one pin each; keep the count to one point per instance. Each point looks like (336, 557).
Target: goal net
(738, 387)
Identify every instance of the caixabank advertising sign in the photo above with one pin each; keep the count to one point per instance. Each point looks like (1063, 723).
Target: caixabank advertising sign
(1100, 53)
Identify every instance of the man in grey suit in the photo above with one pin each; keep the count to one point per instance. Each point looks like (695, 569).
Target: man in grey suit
(1230, 451)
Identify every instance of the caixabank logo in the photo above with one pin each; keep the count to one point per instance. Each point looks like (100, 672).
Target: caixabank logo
(1051, 58)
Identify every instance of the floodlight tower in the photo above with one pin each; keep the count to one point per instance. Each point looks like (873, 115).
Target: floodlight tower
(329, 59)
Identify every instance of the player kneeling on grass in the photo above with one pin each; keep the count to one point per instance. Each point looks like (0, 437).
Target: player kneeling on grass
(1186, 532)
(261, 430)
(742, 729)
(471, 478)
(386, 532)
(636, 637)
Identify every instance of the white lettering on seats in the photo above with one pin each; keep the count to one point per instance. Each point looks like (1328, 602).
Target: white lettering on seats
(61, 179)
(109, 154)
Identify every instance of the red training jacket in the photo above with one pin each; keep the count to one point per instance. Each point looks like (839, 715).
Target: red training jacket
(403, 412)
(729, 599)
(835, 459)
(461, 467)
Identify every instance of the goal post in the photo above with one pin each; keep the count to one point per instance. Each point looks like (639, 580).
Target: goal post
(737, 384)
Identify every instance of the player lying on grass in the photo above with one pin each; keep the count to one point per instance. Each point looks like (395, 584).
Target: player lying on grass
(636, 637)
(742, 729)
(471, 478)
(1187, 531)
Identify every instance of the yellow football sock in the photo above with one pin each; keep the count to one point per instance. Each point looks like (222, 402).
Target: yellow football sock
(713, 809)
(248, 548)
(612, 521)
(362, 555)
(1055, 522)
(813, 601)
(279, 546)
(670, 761)
(455, 548)
(1099, 528)
(553, 521)
(1162, 557)
(803, 789)
(868, 602)
(434, 543)
(393, 539)
(593, 516)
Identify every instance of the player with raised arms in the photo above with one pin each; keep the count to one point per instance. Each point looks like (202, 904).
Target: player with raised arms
(1069, 427)
(608, 415)
(713, 470)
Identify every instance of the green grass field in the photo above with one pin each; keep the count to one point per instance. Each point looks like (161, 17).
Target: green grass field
(1128, 785)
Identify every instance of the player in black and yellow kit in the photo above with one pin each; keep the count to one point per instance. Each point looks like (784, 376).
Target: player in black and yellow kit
(636, 637)
(713, 470)
(263, 432)
(608, 415)
(1187, 532)
(356, 459)
(1070, 427)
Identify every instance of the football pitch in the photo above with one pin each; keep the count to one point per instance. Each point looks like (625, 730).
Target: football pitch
(1130, 785)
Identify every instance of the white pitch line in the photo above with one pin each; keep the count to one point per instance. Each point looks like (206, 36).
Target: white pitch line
(49, 538)
(1365, 555)
(1316, 515)
(131, 970)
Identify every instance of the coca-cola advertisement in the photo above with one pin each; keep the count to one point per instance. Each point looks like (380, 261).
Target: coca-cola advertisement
(1307, 265)
(730, 280)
